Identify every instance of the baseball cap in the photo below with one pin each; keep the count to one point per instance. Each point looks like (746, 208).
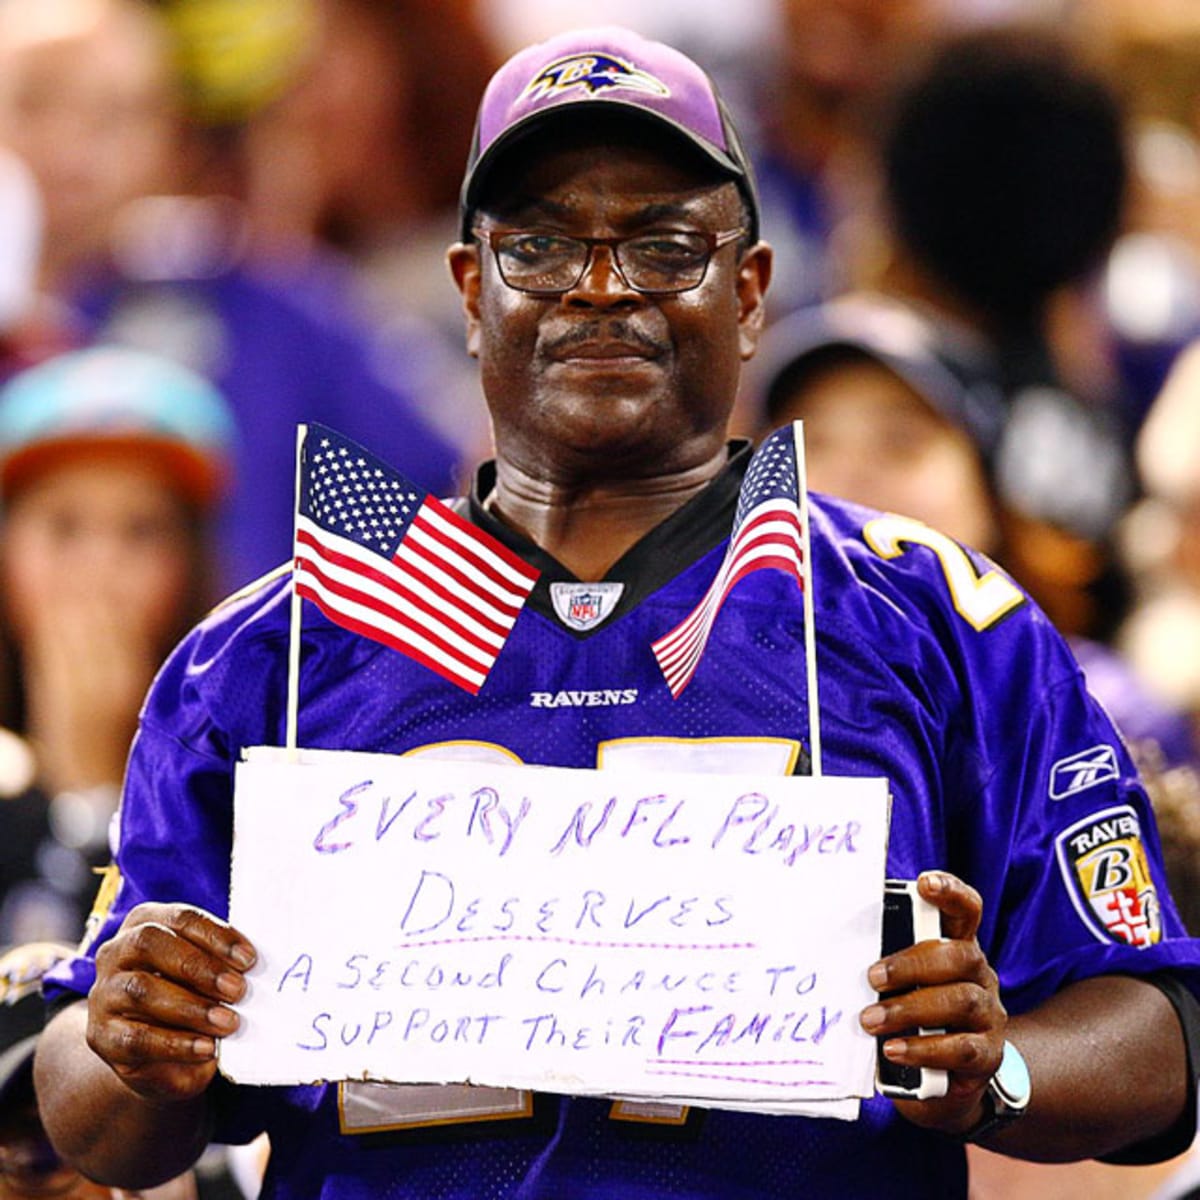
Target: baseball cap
(608, 69)
(21, 1012)
(955, 376)
(121, 398)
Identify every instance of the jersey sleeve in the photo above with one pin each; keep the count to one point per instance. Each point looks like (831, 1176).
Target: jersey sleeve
(1060, 836)
(1011, 774)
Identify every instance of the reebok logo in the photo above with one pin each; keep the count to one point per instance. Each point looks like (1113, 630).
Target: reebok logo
(1081, 771)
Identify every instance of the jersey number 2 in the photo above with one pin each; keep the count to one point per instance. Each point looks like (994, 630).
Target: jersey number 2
(981, 600)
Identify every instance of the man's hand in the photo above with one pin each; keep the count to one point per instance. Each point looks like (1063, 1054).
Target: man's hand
(161, 997)
(955, 990)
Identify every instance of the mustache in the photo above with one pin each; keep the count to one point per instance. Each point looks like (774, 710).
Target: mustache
(613, 329)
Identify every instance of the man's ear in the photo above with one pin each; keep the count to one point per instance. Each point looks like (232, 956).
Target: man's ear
(753, 279)
(463, 260)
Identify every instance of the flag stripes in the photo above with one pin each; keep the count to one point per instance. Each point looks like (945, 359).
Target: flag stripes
(768, 531)
(770, 539)
(398, 566)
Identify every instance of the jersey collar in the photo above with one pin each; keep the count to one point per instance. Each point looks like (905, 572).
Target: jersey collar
(685, 536)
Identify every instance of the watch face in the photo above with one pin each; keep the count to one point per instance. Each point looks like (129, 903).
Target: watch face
(1011, 1082)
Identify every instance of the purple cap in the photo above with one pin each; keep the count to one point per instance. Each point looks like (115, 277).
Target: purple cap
(614, 69)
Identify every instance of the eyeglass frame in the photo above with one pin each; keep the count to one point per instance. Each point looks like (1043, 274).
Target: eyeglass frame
(713, 241)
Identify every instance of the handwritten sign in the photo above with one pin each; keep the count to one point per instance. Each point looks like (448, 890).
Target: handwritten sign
(589, 932)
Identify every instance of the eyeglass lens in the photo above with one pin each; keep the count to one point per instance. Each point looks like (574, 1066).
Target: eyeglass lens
(659, 262)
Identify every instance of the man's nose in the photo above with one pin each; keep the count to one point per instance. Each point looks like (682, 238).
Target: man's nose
(602, 283)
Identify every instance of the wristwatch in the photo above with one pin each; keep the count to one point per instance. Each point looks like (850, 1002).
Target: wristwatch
(1006, 1098)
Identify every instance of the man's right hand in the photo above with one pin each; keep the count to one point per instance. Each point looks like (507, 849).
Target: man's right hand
(161, 998)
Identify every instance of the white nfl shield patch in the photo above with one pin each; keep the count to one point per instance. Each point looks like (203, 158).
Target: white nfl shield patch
(584, 605)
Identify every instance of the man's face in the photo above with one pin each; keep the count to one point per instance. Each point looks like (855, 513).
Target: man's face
(603, 378)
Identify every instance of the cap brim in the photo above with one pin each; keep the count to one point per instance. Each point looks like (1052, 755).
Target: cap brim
(957, 392)
(481, 169)
(198, 478)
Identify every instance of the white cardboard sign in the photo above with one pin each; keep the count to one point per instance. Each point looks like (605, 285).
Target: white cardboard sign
(702, 937)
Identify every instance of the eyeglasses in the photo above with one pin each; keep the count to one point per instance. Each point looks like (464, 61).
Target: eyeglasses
(548, 264)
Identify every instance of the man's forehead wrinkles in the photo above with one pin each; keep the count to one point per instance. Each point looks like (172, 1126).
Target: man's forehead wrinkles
(690, 206)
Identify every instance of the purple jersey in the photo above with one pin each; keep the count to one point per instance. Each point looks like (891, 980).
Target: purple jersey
(935, 671)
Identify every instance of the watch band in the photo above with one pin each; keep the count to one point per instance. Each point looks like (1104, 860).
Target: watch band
(1006, 1097)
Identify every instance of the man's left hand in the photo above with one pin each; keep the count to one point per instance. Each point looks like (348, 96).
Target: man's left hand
(953, 988)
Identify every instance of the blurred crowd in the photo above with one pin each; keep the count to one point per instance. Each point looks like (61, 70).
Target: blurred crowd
(225, 217)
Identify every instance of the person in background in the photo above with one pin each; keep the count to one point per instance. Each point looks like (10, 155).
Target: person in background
(1161, 541)
(1005, 177)
(988, 140)
(112, 464)
(145, 247)
(359, 155)
(824, 73)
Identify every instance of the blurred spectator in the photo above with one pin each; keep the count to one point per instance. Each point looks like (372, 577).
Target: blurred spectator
(173, 274)
(1005, 174)
(28, 1164)
(830, 63)
(1004, 169)
(111, 462)
(1151, 295)
(86, 99)
(362, 153)
(1161, 541)
(30, 329)
(901, 416)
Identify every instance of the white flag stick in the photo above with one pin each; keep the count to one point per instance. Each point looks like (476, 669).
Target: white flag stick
(293, 672)
(810, 627)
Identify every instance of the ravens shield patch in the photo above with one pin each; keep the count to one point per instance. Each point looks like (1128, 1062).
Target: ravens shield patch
(1107, 874)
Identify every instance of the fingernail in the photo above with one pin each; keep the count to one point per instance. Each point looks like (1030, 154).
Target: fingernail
(873, 1016)
(223, 1018)
(934, 881)
(243, 955)
(203, 1047)
(895, 1049)
(877, 976)
(230, 985)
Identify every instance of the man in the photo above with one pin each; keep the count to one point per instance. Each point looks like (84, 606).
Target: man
(612, 279)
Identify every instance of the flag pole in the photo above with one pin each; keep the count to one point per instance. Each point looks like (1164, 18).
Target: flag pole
(810, 627)
(293, 669)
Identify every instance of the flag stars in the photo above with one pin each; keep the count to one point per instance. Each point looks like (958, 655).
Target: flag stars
(356, 496)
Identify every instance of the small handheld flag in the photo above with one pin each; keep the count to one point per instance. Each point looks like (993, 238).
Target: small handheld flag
(768, 531)
(383, 558)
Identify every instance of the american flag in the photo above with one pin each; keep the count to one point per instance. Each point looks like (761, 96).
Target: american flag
(767, 532)
(381, 557)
